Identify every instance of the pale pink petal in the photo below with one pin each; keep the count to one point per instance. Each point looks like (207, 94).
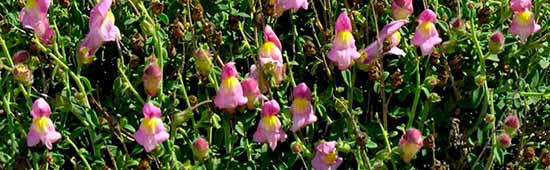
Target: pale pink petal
(343, 23)
(32, 137)
(270, 36)
(396, 51)
(40, 108)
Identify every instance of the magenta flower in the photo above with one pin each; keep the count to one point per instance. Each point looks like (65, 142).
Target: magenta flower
(520, 5)
(302, 110)
(269, 128)
(390, 33)
(101, 29)
(426, 36)
(270, 55)
(34, 16)
(42, 128)
(152, 78)
(251, 91)
(401, 9)
(523, 24)
(343, 50)
(326, 156)
(410, 143)
(151, 130)
(230, 94)
(295, 5)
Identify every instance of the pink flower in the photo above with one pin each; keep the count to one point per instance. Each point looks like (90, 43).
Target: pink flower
(251, 91)
(520, 5)
(390, 33)
(326, 156)
(101, 29)
(230, 94)
(151, 130)
(152, 78)
(401, 9)
(302, 110)
(426, 36)
(34, 16)
(524, 24)
(269, 128)
(343, 50)
(410, 143)
(293, 4)
(496, 41)
(42, 129)
(270, 55)
(200, 149)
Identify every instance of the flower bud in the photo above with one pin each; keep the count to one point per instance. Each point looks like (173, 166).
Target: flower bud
(410, 143)
(200, 149)
(504, 140)
(203, 61)
(20, 57)
(431, 81)
(152, 78)
(457, 23)
(297, 147)
(434, 97)
(23, 74)
(511, 123)
(401, 9)
(496, 41)
(489, 118)
(480, 80)
(343, 147)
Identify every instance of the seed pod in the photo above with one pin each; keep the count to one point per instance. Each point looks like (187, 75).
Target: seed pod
(178, 29)
(529, 154)
(443, 78)
(197, 11)
(138, 42)
(309, 48)
(396, 79)
(157, 7)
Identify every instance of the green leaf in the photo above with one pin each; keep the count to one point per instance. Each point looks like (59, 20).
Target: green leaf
(164, 19)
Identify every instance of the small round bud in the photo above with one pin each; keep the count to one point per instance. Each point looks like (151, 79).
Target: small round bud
(480, 80)
(200, 149)
(511, 123)
(203, 61)
(434, 97)
(490, 118)
(297, 147)
(504, 140)
(496, 42)
(457, 23)
(431, 81)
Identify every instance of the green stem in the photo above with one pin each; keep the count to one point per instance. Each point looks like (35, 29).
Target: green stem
(127, 83)
(386, 141)
(8, 56)
(416, 94)
(78, 152)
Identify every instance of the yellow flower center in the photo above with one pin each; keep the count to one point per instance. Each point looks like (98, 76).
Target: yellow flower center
(330, 158)
(524, 17)
(268, 47)
(345, 38)
(150, 125)
(300, 105)
(426, 28)
(230, 83)
(270, 122)
(41, 124)
(31, 3)
(395, 37)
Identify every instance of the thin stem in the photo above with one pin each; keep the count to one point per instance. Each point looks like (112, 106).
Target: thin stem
(416, 94)
(127, 83)
(386, 141)
(78, 152)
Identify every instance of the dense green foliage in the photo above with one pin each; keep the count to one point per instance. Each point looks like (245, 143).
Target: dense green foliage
(458, 97)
